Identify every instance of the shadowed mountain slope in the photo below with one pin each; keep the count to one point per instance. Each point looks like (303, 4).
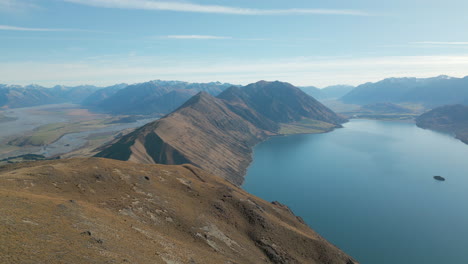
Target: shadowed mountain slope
(107, 211)
(450, 118)
(218, 134)
(280, 102)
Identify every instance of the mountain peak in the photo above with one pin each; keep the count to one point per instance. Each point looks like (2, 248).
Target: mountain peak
(201, 97)
(217, 133)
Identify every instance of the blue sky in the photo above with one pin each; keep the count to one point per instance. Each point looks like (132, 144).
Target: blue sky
(304, 42)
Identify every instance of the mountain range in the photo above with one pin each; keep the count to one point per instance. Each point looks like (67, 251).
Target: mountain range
(13, 96)
(162, 97)
(218, 133)
(430, 92)
(154, 97)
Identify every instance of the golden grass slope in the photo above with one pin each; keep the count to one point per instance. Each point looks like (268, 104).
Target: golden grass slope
(94, 210)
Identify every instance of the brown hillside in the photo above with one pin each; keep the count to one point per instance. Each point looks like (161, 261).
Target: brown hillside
(218, 134)
(106, 211)
(203, 132)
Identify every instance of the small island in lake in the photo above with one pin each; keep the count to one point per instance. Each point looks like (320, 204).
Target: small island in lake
(439, 178)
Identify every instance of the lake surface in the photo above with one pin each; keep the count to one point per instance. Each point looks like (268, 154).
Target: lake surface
(369, 189)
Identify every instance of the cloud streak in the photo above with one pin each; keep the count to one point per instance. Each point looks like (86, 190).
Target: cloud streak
(15, 28)
(441, 42)
(15, 5)
(194, 37)
(213, 9)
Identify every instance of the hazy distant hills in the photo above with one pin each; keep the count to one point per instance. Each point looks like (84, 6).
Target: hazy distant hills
(327, 93)
(385, 108)
(13, 96)
(100, 95)
(154, 97)
(429, 92)
(450, 118)
(217, 134)
(161, 97)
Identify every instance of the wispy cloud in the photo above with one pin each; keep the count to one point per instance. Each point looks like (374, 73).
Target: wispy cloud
(194, 37)
(15, 28)
(215, 9)
(441, 42)
(15, 5)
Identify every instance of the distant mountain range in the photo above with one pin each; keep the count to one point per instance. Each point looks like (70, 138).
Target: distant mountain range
(430, 92)
(450, 119)
(218, 133)
(327, 93)
(154, 97)
(13, 96)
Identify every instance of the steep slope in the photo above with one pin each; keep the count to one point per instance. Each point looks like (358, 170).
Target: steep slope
(204, 132)
(106, 211)
(280, 102)
(218, 134)
(449, 118)
(431, 92)
(155, 97)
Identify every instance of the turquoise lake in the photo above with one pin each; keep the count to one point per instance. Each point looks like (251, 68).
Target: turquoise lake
(368, 188)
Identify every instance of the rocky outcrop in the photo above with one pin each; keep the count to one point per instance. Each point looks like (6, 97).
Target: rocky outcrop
(97, 210)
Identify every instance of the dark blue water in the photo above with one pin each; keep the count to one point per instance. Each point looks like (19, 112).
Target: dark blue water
(369, 189)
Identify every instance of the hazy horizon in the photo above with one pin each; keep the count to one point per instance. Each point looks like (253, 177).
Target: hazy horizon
(214, 81)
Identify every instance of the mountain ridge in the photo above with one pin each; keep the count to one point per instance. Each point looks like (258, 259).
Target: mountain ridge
(93, 210)
(155, 97)
(218, 133)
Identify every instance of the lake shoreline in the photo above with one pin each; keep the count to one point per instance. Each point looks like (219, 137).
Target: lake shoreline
(356, 170)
